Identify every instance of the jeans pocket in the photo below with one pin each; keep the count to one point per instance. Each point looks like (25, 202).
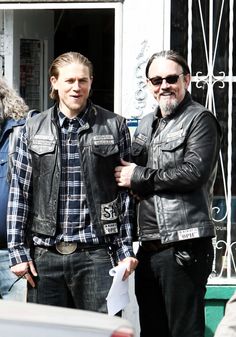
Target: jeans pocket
(38, 253)
(184, 258)
(99, 255)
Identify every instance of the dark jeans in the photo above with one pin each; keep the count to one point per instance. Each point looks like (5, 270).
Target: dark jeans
(79, 280)
(170, 296)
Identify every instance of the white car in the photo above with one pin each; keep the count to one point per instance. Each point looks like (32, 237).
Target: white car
(19, 319)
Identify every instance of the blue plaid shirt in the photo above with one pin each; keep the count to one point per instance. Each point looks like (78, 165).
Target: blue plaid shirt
(74, 223)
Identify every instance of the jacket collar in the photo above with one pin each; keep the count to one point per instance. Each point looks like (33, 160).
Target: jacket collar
(9, 124)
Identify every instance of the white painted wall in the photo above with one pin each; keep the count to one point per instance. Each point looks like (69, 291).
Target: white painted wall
(146, 29)
(8, 47)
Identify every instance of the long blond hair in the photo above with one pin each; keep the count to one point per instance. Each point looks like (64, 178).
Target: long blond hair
(65, 59)
(12, 104)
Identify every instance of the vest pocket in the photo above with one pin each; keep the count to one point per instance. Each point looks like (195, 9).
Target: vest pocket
(104, 145)
(172, 145)
(171, 153)
(42, 144)
(105, 150)
(43, 156)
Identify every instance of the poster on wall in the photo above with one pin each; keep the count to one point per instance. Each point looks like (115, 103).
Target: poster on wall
(30, 72)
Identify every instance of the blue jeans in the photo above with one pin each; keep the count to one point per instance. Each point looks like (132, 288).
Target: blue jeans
(170, 296)
(78, 280)
(7, 278)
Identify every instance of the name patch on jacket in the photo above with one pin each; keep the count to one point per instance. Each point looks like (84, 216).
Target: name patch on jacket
(109, 212)
(42, 139)
(103, 140)
(141, 139)
(190, 233)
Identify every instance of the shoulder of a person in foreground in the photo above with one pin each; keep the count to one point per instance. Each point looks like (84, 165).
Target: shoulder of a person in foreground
(227, 326)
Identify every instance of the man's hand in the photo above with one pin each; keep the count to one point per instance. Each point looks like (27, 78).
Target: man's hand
(26, 270)
(132, 264)
(124, 173)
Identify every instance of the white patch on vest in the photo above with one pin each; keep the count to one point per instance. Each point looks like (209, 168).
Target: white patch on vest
(110, 228)
(140, 139)
(186, 234)
(104, 140)
(109, 211)
(43, 137)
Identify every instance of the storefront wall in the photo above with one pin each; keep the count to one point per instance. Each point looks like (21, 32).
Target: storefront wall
(140, 28)
(146, 29)
(203, 32)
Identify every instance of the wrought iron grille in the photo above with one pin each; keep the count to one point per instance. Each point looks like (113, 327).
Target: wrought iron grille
(203, 31)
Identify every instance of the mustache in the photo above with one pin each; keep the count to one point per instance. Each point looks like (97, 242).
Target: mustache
(166, 91)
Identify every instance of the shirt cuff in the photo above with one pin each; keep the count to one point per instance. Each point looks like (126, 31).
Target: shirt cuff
(19, 255)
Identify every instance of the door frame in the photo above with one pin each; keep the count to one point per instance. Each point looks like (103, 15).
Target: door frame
(118, 29)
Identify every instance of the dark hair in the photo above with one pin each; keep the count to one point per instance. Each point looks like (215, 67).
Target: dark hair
(169, 55)
(65, 59)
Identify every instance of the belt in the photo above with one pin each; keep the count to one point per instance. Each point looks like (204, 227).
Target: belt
(155, 246)
(66, 248)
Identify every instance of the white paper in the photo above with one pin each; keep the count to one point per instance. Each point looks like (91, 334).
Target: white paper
(118, 296)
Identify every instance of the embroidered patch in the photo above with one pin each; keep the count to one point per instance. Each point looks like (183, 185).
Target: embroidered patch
(43, 137)
(141, 139)
(109, 211)
(110, 228)
(186, 234)
(103, 140)
(41, 144)
(42, 140)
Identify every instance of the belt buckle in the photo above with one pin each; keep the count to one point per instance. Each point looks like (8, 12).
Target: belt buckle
(66, 248)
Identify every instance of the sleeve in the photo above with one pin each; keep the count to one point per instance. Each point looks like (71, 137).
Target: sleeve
(20, 196)
(201, 151)
(123, 241)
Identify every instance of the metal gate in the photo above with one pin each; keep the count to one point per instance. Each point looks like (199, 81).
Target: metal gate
(203, 31)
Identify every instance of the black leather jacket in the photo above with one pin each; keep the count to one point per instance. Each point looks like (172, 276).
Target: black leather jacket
(99, 154)
(177, 166)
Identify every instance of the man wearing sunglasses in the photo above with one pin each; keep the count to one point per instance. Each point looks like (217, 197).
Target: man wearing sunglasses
(175, 152)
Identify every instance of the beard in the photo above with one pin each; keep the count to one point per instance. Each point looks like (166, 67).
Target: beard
(167, 108)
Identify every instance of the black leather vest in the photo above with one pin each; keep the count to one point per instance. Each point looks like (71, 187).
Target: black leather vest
(99, 152)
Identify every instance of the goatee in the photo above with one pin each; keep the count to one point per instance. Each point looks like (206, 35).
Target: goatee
(167, 108)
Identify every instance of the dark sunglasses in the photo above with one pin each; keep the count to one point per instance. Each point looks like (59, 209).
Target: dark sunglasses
(171, 79)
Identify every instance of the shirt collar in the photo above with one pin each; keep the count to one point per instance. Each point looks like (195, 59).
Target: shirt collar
(81, 117)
